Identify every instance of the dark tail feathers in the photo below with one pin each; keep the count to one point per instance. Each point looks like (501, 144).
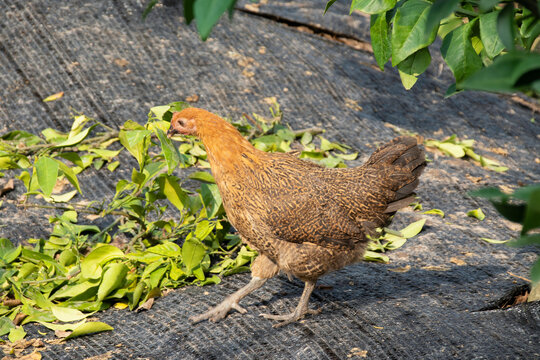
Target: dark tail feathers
(408, 161)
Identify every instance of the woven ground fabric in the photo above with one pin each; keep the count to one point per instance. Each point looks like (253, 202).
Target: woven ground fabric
(113, 66)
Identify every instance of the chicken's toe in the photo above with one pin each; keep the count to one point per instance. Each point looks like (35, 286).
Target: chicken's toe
(218, 312)
(290, 318)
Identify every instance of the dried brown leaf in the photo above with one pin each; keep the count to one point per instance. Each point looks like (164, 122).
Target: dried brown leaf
(457, 261)
(7, 187)
(192, 98)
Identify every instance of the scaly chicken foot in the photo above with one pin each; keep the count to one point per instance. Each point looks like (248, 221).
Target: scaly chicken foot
(231, 302)
(300, 311)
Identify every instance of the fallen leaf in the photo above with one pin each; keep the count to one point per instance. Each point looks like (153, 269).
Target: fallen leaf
(457, 261)
(121, 62)
(53, 97)
(19, 318)
(493, 241)
(357, 352)
(120, 305)
(474, 179)
(7, 187)
(193, 98)
(252, 7)
(35, 355)
(270, 100)
(245, 61)
(352, 104)
(92, 217)
(400, 269)
(476, 213)
(499, 151)
(147, 305)
(61, 333)
(11, 302)
(435, 268)
(247, 73)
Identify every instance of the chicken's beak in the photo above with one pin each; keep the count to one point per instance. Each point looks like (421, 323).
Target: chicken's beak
(171, 132)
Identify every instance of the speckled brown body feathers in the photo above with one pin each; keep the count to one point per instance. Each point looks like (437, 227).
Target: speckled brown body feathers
(304, 219)
(307, 219)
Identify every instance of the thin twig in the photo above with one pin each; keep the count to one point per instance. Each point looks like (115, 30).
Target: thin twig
(519, 277)
(311, 130)
(36, 282)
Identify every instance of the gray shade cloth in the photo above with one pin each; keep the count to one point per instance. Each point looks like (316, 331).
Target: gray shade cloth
(113, 66)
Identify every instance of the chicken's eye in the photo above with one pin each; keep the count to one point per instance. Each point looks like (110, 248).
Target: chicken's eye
(181, 122)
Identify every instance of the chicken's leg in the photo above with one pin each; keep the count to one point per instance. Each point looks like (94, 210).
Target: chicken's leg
(301, 310)
(231, 302)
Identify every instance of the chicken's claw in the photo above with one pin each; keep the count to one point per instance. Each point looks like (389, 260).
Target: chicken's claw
(218, 312)
(290, 318)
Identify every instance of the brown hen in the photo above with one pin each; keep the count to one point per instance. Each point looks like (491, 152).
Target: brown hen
(304, 219)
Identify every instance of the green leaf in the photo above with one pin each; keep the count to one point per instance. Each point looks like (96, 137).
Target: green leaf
(76, 289)
(203, 229)
(532, 214)
(488, 32)
(47, 173)
(449, 24)
(328, 4)
(439, 10)
(188, 10)
(372, 6)
(174, 193)
(407, 80)
(211, 199)
(459, 54)
(54, 97)
(135, 142)
(452, 149)
(149, 8)
(16, 334)
(208, 12)
(193, 252)
(493, 241)
(509, 73)
(91, 264)
(375, 256)
(5, 325)
(486, 5)
(65, 314)
(62, 198)
(172, 156)
(477, 213)
(505, 26)
(491, 193)
(414, 65)
(409, 31)
(61, 327)
(435, 212)
(380, 40)
(77, 138)
(526, 240)
(113, 277)
(202, 176)
(307, 138)
(8, 252)
(167, 248)
(413, 229)
(69, 174)
(89, 328)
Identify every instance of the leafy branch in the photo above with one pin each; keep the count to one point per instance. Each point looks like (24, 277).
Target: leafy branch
(160, 236)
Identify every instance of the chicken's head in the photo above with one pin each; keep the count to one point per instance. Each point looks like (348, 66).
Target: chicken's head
(184, 122)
